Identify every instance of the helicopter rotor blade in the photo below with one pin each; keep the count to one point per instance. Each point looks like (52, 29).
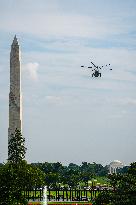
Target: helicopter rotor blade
(93, 64)
(105, 65)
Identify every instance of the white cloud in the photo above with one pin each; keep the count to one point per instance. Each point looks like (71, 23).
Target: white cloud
(58, 24)
(53, 99)
(124, 101)
(32, 70)
(129, 101)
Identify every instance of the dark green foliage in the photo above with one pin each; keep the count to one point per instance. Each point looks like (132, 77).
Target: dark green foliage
(124, 189)
(71, 177)
(72, 174)
(53, 172)
(103, 171)
(16, 178)
(16, 175)
(123, 170)
(16, 148)
(103, 198)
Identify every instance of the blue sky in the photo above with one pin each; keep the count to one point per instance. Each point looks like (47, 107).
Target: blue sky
(67, 115)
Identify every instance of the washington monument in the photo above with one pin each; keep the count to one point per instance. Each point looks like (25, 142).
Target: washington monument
(15, 98)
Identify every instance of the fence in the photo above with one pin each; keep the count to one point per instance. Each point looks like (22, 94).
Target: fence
(62, 195)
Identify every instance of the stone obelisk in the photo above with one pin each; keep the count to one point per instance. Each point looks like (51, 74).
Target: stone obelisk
(15, 98)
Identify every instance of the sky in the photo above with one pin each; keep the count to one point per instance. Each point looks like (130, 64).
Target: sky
(68, 116)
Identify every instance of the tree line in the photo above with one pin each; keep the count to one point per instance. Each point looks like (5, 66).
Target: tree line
(17, 175)
(124, 189)
(71, 175)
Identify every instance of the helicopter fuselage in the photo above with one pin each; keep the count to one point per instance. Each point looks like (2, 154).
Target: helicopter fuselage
(96, 74)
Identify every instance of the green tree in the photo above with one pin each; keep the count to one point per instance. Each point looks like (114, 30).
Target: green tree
(16, 175)
(51, 179)
(53, 172)
(124, 189)
(87, 172)
(16, 178)
(71, 177)
(16, 147)
(103, 171)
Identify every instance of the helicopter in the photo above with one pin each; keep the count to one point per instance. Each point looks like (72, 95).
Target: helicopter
(96, 69)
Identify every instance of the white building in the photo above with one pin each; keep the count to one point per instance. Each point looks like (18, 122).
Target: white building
(113, 166)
